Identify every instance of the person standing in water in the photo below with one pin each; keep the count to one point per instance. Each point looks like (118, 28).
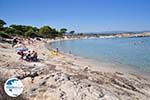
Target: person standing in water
(57, 50)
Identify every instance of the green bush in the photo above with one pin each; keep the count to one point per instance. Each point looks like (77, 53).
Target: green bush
(5, 35)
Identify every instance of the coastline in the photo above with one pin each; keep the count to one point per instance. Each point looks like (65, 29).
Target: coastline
(69, 77)
(97, 64)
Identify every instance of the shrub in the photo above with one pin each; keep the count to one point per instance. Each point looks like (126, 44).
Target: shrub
(3, 34)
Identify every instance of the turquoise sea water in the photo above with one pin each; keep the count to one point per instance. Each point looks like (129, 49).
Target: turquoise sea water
(133, 52)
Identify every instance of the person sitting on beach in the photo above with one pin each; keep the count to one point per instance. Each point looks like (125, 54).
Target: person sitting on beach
(14, 41)
(20, 45)
(34, 56)
(21, 53)
(30, 41)
(28, 56)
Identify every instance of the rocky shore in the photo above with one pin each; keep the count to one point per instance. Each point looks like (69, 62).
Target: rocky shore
(67, 78)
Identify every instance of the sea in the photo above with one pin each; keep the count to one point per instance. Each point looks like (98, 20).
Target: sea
(132, 52)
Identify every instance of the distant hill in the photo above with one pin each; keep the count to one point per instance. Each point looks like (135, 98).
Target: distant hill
(117, 32)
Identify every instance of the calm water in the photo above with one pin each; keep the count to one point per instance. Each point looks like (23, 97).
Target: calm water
(134, 52)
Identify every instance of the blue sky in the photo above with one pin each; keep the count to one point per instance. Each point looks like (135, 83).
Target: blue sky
(79, 15)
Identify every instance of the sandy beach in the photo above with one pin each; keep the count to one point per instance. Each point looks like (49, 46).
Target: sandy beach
(67, 77)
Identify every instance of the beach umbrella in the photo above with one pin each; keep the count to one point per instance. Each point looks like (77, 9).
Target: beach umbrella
(21, 49)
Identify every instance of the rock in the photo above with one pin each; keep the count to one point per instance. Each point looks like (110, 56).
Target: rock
(109, 97)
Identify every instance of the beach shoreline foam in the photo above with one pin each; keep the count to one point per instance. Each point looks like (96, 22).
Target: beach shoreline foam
(67, 77)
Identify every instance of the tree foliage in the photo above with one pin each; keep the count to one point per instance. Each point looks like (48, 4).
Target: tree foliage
(2, 23)
(30, 31)
(45, 31)
(10, 31)
(72, 32)
(63, 30)
(3, 34)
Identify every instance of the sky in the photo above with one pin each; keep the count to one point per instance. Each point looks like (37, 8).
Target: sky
(79, 15)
